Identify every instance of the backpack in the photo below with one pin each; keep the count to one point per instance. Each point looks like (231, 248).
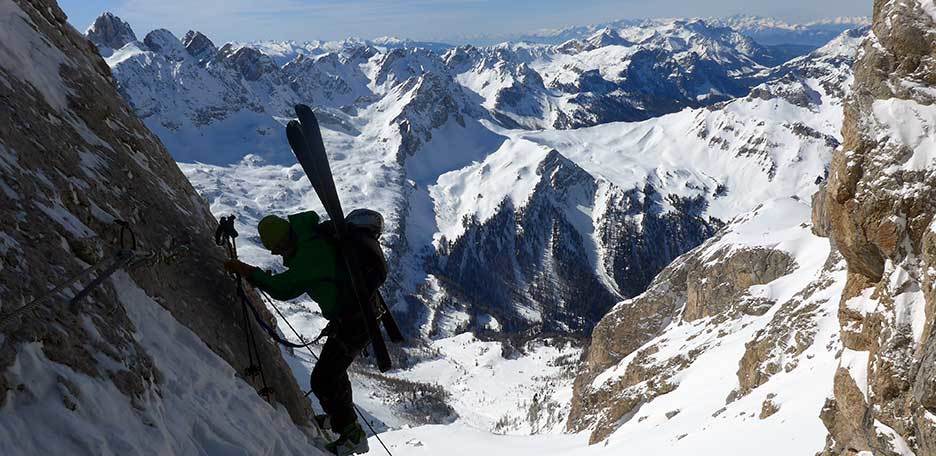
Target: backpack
(362, 242)
(361, 248)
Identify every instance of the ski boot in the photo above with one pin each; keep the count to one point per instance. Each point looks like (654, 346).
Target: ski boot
(352, 441)
(323, 422)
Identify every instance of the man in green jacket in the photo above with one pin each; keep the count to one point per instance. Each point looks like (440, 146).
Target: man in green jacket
(312, 268)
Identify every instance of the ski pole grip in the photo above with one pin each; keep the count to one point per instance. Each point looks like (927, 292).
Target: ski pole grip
(225, 230)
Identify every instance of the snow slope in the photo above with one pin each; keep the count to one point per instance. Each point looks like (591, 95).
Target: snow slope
(200, 406)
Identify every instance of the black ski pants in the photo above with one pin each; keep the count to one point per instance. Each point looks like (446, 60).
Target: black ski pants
(330, 382)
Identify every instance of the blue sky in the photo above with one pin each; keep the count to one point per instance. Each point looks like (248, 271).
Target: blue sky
(441, 20)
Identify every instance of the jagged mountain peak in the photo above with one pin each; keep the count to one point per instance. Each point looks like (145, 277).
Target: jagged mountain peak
(607, 37)
(248, 61)
(199, 46)
(110, 32)
(401, 64)
(164, 42)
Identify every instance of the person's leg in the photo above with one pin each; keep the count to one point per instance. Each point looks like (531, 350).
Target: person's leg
(330, 376)
(330, 381)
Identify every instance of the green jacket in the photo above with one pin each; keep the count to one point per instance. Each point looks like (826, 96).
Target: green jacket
(311, 269)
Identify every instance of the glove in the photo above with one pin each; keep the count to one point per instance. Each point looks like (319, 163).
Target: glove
(239, 267)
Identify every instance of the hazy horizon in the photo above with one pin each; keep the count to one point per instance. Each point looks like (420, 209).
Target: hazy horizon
(449, 21)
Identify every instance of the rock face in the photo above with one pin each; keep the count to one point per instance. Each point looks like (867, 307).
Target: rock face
(713, 288)
(714, 296)
(879, 207)
(712, 281)
(199, 46)
(74, 158)
(110, 32)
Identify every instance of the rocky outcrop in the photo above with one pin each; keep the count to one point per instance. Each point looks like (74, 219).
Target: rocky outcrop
(693, 285)
(642, 349)
(110, 32)
(432, 100)
(792, 330)
(879, 206)
(249, 62)
(199, 46)
(73, 159)
(715, 289)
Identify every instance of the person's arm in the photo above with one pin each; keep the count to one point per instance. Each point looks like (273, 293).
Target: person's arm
(282, 287)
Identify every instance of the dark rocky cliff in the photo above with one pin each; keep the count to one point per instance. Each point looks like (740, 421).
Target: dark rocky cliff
(73, 159)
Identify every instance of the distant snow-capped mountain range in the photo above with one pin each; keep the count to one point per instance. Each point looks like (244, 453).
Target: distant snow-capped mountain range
(472, 150)
(765, 30)
(528, 189)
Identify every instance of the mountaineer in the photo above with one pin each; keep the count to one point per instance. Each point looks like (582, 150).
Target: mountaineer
(311, 254)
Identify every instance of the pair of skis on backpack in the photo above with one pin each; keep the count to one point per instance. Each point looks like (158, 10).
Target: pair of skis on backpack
(305, 139)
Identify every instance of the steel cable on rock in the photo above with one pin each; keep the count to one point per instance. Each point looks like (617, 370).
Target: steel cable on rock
(122, 258)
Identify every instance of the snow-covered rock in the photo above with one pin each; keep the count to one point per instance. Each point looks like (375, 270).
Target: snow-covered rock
(109, 32)
(199, 46)
(878, 207)
(201, 112)
(729, 340)
(164, 43)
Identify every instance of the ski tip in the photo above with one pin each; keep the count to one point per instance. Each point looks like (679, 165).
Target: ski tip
(302, 109)
(294, 136)
(306, 115)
